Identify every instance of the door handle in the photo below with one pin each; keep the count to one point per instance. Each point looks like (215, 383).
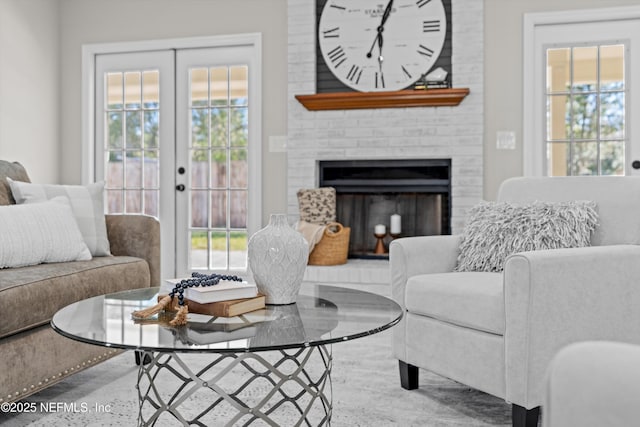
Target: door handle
(180, 187)
(635, 164)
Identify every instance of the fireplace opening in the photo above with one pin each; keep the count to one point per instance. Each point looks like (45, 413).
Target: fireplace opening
(370, 191)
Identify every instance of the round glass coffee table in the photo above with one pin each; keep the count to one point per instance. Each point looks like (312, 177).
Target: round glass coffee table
(271, 366)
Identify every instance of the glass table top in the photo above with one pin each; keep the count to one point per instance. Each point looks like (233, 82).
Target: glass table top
(322, 315)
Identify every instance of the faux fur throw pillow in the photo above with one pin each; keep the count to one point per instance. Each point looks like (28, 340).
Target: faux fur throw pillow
(495, 230)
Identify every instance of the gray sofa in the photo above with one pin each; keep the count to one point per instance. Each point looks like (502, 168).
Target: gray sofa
(32, 355)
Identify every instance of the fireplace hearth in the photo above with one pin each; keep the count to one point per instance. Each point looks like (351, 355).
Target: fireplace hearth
(370, 191)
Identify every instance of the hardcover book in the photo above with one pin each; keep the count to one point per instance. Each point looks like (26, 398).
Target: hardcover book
(229, 308)
(223, 291)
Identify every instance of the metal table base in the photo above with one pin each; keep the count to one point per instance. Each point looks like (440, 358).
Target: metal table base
(283, 387)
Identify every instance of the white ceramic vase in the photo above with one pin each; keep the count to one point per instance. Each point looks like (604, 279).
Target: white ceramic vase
(278, 256)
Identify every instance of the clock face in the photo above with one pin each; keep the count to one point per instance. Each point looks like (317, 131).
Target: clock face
(381, 45)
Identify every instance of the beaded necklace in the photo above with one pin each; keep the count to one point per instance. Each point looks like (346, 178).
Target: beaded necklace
(199, 279)
(196, 279)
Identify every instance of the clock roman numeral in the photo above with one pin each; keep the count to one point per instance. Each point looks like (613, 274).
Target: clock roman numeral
(379, 80)
(354, 74)
(423, 50)
(406, 73)
(337, 56)
(332, 33)
(431, 26)
(421, 3)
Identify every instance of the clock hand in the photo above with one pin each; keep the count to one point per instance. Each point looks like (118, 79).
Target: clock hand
(387, 12)
(378, 39)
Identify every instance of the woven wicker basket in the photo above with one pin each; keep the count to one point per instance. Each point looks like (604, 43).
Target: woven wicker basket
(333, 248)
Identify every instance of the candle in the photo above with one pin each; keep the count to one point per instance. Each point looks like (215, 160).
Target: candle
(396, 222)
(380, 229)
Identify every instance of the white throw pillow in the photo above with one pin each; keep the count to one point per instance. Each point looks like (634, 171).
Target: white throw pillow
(495, 230)
(40, 232)
(87, 204)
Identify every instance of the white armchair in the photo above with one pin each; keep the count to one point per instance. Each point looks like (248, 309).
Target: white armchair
(497, 332)
(593, 384)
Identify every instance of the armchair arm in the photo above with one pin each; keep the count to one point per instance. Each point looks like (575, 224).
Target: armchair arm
(138, 236)
(557, 297)
(409, 257)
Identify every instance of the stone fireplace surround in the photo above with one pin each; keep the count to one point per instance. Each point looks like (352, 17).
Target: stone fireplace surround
(455, 133)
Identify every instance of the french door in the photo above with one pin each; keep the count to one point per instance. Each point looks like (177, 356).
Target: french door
(579, 93)
(177, 136)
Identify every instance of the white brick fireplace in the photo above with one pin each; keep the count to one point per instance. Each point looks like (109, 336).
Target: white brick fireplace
(391, 133)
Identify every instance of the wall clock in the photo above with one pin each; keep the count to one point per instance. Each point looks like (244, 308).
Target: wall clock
(381, 45)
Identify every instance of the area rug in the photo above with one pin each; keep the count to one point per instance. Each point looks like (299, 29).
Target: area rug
(365, 384)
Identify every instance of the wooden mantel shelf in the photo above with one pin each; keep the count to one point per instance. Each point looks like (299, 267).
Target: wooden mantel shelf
(397, 99)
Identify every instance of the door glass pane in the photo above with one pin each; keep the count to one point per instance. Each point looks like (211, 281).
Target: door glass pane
(558, 108)
(558, 70)
(585, 69)
(114, 129)
(219, 86)
(219, 169)
(612, 115)
(238, 250)
(199, 212)
(219, 127)
(239, 168)
(199, 87)
(219, 151)
(612, 67)
(584, 159)
(239, 85)
(219, 209)
(132, 90)
(131, 145)
(585, 110)
(219, 250)
(199, 168)
(199, 249)
(612, 158)
(151, 89)
(558, 155)
(114, 91)
(239, 126)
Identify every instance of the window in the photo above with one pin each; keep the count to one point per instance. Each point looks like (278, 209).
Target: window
(585, 110)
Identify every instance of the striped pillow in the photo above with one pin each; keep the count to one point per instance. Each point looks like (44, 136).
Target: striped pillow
(87, 203)
(40, 232)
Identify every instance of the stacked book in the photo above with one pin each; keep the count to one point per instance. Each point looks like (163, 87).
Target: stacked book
(226, 299)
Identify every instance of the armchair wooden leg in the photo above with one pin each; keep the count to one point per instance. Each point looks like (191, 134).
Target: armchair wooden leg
(408, 375)
(521, 417)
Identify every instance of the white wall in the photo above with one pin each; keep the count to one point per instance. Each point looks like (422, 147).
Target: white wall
(29, 86)
(103, 21)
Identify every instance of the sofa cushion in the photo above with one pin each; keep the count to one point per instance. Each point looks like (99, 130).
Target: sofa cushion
(30, 296)
(38, 233)
(471, 300)
(495, 230)
(15, 171)
(87, 203)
